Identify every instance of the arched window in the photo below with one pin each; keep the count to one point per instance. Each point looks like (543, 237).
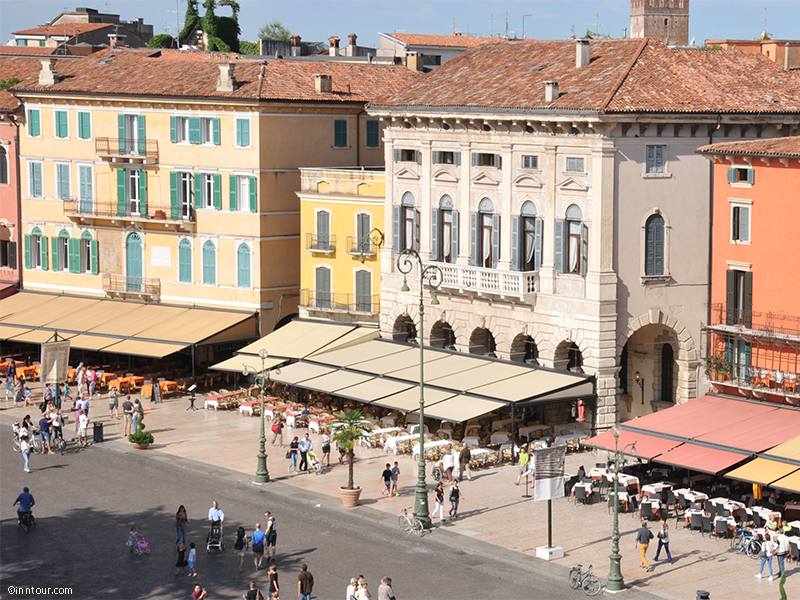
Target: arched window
(405, 225)
(570, 243)
(185, 261)
(35, 250)
(654, 246)
(209, 263)
(3, 165)
(444, 231)
(485, 236)
(243, 266)
(134, 263)
(526, 240)
(87, 254)
(61, 251)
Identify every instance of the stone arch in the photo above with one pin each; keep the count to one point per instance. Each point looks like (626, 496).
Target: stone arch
(404, 329)
(524, 349)
(482, 342)
(442, 335)
(686, 346)
(569, 356)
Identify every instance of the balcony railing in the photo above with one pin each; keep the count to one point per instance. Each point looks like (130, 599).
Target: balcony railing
(321, 243)
(150, 212)
(768, 322)
(488, 281)
(361, 245)
(127, 147)
(341, 303)
(120, 285)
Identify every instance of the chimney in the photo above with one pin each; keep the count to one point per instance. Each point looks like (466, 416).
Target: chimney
(333, 46)
(550, 91)
(323, 84)
(225, 81)
(788, 48)
(296, 49)
(414, 61)
(457, 33)
(581, 53)
(116, 40)
(352, 38)
(48, 75)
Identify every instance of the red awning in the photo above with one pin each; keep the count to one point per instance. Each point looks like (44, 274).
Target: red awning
(647, 446)
(701, 458)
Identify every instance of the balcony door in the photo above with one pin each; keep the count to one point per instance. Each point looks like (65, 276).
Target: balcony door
(133, 262)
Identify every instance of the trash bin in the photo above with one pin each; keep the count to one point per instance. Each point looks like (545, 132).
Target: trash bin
(97, 433)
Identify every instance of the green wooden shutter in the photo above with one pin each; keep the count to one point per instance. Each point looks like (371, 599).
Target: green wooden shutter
(34, 122)
(195, 134)
(185, 261)
(95, 256)
(122, 196)
(373, 134)
(233, 204)
(215, 127)
(751, 176)
(209, 260)
(730, 297)
(199, 190)
(143, 191)
(731, 175)
(253, 188)
(173, 195)
(243, 266)
(35, 171)
(173, 130)
(63, 182)
(218, 192)
(27, 239)
(122, 133)
(54, 253)
(243, 132)
(84, 125)
(141, 135)
(340, 133)
(74, 247)
(43, 247)
(747, 308)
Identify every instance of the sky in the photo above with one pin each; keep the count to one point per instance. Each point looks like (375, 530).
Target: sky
(316, 20)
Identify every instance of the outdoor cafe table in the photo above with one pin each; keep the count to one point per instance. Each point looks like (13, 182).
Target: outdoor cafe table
(623, 499)
(598, 473)
(694, 496)
(481, 453)
(655, 488)
(315, 422)
(28, 372)
(6, 363)
(106, 376)
(688, 515)
(792, 510)
(768, 514)
(581, 484)
(383, 431)
(629, 481)
(392, 443)
(428, 446)
(471, 440)
(730, 505)
(532, 429)
(502, 423)
(794, 525)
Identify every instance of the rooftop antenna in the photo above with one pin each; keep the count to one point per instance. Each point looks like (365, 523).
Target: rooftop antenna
(573, 32)
(178, 12)
(765, 35)
(454, 24)
(506, 24)
(491, 25)
(597, 24)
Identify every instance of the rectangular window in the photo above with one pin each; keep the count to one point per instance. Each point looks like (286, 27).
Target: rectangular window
(446, 157)
(185, 194)
(84, 125)
(530, 162)
(431, 60)
(739, 300)
(63, 253)
(741, 175)
(35, 180)
(86, 256)
(656, 159)
(740, 223)
(63, 187)
(373, 134)
(134, 201)
(575, 165)
(207, 131)
(242, 133)
(208, 191)
(482, 159)
(62, 124)
(34, 122)
(406, 155)
(340, 134)
(243, 185)
(86, 188)
(8, 254)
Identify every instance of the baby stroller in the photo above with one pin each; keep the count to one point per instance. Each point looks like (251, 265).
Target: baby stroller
(137, 543)
(215, 541)
(314, 462)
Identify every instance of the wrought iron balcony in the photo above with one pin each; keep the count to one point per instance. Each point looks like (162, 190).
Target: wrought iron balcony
(132, 149)
(340, 303)
(129, 211)
(482, 281)
(140, 287)
(321, 243)
(759, 324)
(361, 245)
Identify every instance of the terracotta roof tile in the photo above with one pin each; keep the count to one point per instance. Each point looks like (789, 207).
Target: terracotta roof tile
(148, 72)
(443, 41)
(622, 76)
(783, 147)
(26, 50)
(71, 29)
(16, 68)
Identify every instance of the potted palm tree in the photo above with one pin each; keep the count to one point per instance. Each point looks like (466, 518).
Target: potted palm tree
(349, 427)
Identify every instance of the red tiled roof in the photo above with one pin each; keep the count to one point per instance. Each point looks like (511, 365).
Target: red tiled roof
(71, 29)
(26, 50)
(148, 72)
(782, 147)
(16, 68)
(625, 75)
(443, 41)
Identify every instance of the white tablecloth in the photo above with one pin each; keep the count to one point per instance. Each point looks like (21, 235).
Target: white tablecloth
(624, 480)
(585, 486)
(472, 440)
(503, 423)
(598, 473)
(429, 445)
(532, 430)
(480, 453)
(500, 438)
(212, 403)
(412, 429)
(694, 496)
(655, 488)
(393, 442)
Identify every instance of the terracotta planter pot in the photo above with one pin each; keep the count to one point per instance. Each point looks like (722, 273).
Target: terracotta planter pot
(140, 446)
(350, 497)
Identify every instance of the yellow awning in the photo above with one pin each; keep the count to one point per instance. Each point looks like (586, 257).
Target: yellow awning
(762, 471)
(300, 372)
(37, 336)
(7, 331)
(332, 382)
(788, 449)
(353, 338)
(790, 483)
(373, 389)
(91, 342)
(408, 400)
(352, 357)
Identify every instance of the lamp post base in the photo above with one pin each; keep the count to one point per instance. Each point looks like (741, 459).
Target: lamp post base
(262, 475)
(549, 552)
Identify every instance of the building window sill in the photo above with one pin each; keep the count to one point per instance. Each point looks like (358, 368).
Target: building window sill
(656, 175)
(655, 279)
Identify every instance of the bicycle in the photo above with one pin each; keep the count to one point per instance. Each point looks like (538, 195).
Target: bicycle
(409, 522)
(58, 444)
(580, 579)
(35, 442)
(746, 541)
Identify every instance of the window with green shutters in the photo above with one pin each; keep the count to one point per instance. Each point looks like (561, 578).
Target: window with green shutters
(195, 133)
(654, 246)
(185, 261)
(63, 186)
(35, 249)
(88, 255)
(242, 133)
(85, 188)
(243, 193)
(62, 124)
(340, 133)
(84, 125)
(209, 263)
(60, 249)
(243, 266)
(35, 189)
(34, 122)
(373, 134)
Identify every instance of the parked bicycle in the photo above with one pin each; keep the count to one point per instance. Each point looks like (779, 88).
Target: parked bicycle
(580, 579)
(746, 542)
(35, 441)
(409, 522)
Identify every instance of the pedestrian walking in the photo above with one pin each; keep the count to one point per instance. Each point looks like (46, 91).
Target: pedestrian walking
(350, 594)
(326, 449)
(385, 591)
(363, 592)
(257, 539)
(181, 520)
(25, 448)
(272, 535)
(19, 391)
(9, 388)
(277, 431)
(180, 565)
(192, 560)
(305, 583)
(663, 540)
(253, 593)
(386, 477)
(464, 458)
(138, 411)
(240, 545)
(83, 424)
(113, 403)
(294, 445)
(438, 497)
(448, 464)
(524, 458)
(44, 429)
(395, 477)
(342, 452)
(304, 446)
(643, 537)
(274, 589)
(781, 550)
(127, 413)
(455, 498)
(767, 552)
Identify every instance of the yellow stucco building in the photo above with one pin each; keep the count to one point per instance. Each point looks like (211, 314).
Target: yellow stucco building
(341, 212)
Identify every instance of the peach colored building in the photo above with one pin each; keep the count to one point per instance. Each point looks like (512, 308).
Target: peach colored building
(784, 52)
(754, 329)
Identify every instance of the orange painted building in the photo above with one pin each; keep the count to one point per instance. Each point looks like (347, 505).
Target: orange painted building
(754, 326)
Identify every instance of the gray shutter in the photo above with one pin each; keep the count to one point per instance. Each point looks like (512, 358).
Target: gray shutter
(751, 176)
(323, 230)
(744, 224)
(584, 250)
(498, 161)
(435, 214)
(747, 309)
(454, 247)
(731, 175)
(730, 297)
(436, 157)
(658, 247)
(457, 158)
(12, 254)
(323, 287)
(495, 240)
(537, 244)
(516, 235)
(476, 159)
(397, 231)
(474, 258)
(559, 245)
(398, 155)
(417, 222)
(417, 157)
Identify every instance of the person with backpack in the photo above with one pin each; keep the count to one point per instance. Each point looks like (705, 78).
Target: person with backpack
(240, 545)
(257, 540)
(253, 593)
(277, 431)
(455, 498)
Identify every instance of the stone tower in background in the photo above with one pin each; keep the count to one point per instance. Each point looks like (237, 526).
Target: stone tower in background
(664, 20)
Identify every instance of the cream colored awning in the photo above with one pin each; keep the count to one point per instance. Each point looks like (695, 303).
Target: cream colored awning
(140, 348)
(297, 373)
(460, 408)
(240, 362)
(350, 357)
(35, 336)
(374, 389)
(408, 399)
(299, 338)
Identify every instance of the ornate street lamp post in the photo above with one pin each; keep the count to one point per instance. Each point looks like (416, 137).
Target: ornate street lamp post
(262, 381)
(615, 582)
(375, 237)
(433, 276)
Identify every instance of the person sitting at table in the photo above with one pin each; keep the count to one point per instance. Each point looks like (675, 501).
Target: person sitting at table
(581, 473)
(774, 503)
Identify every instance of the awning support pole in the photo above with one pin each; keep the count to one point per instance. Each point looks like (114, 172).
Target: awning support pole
(513, 437)
(193, 347)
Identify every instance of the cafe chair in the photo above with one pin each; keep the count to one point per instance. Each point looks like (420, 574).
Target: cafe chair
(697, 523)
(705, 525)
(758, 520)
(580, 496)
(721, 529)
(646, 511)
(711, 510)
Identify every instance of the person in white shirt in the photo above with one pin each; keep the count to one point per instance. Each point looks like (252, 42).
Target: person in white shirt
(782, 550)
(83, 423)
(768, 548)
(215, 514)
(351, 589)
